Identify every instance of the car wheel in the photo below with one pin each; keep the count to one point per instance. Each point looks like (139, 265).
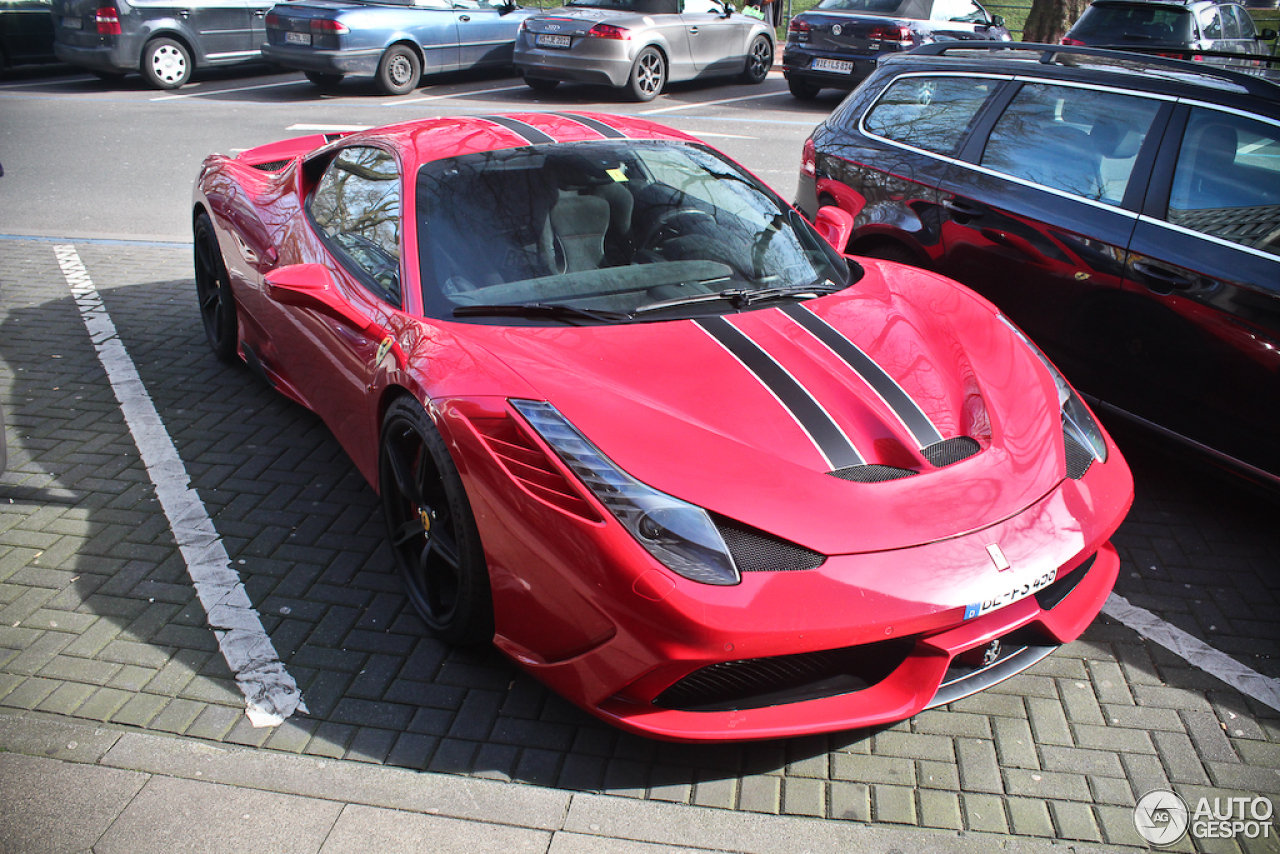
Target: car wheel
(803, 89)
(433, 532)
(648, 75)
(400, 70)
(759, 60)
(166, 63)
(324, 81)
(541, 84)
(213, 291)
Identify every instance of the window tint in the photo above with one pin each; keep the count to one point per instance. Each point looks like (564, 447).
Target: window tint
(1227, 181)
(1080, 141)
(1244, 20)
(918, 9)
(932, 113)
(1137, 21)
(357, 206)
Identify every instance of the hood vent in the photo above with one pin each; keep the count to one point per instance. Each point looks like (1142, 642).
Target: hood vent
(951, 451)
(872, 473)
(756, 551)
(528, 466)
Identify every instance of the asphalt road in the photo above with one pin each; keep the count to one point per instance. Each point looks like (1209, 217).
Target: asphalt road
(88, 159)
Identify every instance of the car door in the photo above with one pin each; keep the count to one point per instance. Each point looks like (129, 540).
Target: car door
(486, 36)
(331, 356)
(1203, 275)
(716, 41)
(1040, 207)
(434, 26)
(222, 28)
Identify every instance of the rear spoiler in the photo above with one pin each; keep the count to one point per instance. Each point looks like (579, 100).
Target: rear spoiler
(276, 155)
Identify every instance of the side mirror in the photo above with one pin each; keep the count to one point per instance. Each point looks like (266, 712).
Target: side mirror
(997, 20)
(835, 225)
(1266, 35)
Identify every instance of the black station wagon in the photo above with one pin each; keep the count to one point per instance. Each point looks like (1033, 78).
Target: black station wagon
(1124, 210)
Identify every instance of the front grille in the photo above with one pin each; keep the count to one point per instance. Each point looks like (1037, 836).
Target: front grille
(761, 682)
(951, 451)
(756, 551)
(872, 473)
(1078, 458)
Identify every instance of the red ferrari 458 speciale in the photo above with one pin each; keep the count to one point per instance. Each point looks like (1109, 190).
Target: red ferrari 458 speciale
(636, 422)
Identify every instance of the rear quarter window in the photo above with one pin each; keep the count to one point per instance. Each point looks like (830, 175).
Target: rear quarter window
(933, 113)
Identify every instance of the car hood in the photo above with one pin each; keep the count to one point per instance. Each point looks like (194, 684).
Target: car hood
(685, 407)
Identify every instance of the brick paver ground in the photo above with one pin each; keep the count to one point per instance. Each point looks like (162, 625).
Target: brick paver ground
(98, 621)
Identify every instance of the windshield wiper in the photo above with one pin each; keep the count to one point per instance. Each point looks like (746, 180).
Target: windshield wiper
(743, 297)
(555, 311)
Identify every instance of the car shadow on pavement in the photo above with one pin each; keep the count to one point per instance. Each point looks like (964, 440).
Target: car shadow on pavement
(101, 622)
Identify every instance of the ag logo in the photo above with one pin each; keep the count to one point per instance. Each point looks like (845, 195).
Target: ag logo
(1161, 817)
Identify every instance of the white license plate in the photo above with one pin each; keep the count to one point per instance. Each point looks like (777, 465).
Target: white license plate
(1010, 594)
(73, 23)
(297, 38)
(554, 41)
(839, 66)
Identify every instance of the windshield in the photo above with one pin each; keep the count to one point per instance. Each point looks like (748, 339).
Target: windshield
(1117, 23)
(626, 231)
(645, 7)
(918, 9)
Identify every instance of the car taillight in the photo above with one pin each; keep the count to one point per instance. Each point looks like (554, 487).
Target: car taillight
(609, 31)
(799, 25)
(272, 20)
(320, 25)
(809, 159)
(108, 20)
(1067, 40)
(902, 35)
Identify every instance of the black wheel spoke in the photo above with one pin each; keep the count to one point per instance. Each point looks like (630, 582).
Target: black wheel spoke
(406, 532)
(402, 471)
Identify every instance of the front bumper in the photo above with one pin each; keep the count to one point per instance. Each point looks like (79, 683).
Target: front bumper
(862, 640)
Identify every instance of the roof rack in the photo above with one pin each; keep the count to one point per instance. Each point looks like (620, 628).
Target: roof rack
(1255, 84)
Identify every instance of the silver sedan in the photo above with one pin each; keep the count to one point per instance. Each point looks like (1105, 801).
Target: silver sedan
(639, 45)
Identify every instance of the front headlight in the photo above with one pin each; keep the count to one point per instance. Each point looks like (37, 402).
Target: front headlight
(679, 534)
(1077, 422)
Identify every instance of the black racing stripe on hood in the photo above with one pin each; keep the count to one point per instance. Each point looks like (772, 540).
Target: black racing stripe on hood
(607, 131)
(531, 134)
(827, 436)
(913, 417)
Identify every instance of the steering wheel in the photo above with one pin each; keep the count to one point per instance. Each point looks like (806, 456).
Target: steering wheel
(663, 222)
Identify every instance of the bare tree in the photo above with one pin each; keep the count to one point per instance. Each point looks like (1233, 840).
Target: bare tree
(1049, 20)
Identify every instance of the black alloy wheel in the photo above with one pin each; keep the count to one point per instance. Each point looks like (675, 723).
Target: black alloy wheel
(213, 292)
(759, 60)
(432, 530)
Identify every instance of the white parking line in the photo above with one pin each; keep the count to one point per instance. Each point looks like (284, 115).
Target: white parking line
(1194, 651)
(457, 95)
(270, 693)
(230, 91)
(698, 104)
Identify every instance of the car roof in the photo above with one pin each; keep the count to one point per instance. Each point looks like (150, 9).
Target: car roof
(1153, 73)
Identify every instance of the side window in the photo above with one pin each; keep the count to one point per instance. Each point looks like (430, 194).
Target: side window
(1227, 181)
(932, 113)
(1211, 24)
(1230, 25)
(357, 206)
(957, 10)
(1245, 21)
(1080, 141)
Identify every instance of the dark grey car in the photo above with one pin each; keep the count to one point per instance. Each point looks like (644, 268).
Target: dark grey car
(164, 40)
(1196, 25)
(26, 32)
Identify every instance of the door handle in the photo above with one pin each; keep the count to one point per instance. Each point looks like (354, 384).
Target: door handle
(464, 18)
(962, 209)
(1160, 279)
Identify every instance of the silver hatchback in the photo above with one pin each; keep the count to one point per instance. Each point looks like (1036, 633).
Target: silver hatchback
(640, 45)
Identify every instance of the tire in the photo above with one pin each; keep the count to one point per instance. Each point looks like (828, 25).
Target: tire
(399, 70)
(326, 82)
(432, 530)
(213, 292)
(648, 75)
(802, 89)
(541, 84)
(759, 61)
(166, 63)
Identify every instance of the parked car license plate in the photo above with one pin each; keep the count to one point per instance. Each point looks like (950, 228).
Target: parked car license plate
(839, 66)
(554, 41)
(297, 38)
(1011, 594)
(73, 23)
